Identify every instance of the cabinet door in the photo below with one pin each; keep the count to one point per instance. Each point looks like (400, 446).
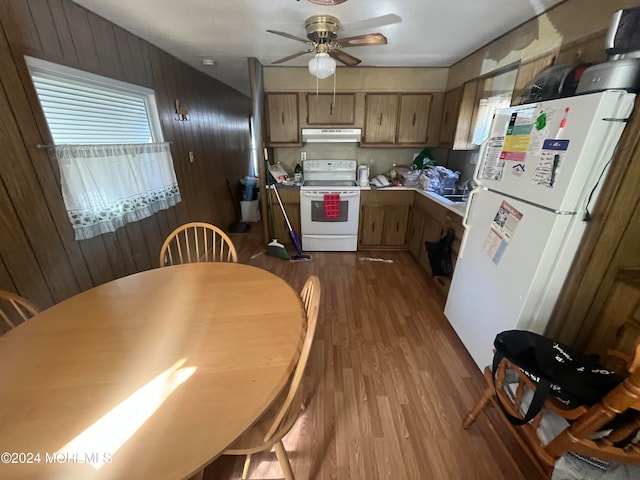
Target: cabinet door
(431, 232)
(322, 110)
(291, 204)
(433, 129)
(464, 124)
(381, 117)
(414, 234)
(282, 114)
(449, 116)
(454, 222)
(434, 218)
(396, 219)
(371, 225)
(413, 122)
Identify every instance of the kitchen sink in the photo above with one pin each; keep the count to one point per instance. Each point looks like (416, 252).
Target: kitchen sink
(450, 198)
(456, 198)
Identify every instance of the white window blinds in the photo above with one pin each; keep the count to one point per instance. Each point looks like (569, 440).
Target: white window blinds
(82, 108)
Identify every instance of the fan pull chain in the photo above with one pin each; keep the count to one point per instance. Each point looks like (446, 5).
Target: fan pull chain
(334, 86)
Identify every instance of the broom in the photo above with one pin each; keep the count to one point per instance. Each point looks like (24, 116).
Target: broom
(274, 248)
(294, 237)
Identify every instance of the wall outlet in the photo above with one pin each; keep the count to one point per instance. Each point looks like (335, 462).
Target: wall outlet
(192, 157)
(303, 156)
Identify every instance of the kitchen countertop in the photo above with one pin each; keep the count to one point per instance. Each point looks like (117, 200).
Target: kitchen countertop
(456, 207)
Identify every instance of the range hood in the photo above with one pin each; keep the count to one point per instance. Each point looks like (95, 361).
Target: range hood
(331, 135)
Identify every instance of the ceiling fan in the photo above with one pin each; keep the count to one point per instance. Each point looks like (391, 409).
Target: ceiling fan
(322, 38)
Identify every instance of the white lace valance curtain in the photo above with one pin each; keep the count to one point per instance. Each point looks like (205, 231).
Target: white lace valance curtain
(106, 186)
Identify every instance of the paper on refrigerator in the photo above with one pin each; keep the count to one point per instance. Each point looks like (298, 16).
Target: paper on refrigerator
(501, 231)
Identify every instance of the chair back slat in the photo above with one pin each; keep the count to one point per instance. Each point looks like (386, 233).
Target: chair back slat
(310, 297)
(197, 242)
(15, 309)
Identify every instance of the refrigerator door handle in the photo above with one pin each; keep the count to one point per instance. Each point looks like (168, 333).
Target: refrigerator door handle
(479, 163)
(467, 211)
(465, 223)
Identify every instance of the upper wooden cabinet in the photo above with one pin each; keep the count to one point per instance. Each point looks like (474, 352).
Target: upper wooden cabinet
(449, 117)
(282, 118)
(325, 109)
(381, 118)
(400, 119)
(413, 120)
(478, 99)
(394, 119)
(464, 124)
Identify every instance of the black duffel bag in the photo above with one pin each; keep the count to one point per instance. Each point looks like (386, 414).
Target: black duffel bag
(439, 254)
(571, 376)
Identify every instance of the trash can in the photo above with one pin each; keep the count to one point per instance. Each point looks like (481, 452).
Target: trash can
(250, 211)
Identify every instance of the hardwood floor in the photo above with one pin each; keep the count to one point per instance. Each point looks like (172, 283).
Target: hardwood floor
(388, 381)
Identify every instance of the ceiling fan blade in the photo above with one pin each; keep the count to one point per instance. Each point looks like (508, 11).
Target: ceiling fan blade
(371, 23)
(344, 57)
(288, 35)
(286, 59)
(362, 40)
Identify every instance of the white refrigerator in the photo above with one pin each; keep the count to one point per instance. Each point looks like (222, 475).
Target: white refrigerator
(539, 174)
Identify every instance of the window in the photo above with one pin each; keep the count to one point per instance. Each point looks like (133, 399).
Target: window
(496, 92)
(114, 167)
(83, 108)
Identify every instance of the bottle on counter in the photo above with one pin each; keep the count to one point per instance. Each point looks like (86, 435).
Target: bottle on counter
(394, 177)
(297, 174)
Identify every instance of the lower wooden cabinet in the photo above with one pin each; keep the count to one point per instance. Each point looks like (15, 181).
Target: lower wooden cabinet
(291, 203)
(429, 222)
(414, 234)
(371, 225)
(384, 218)
(396, 220)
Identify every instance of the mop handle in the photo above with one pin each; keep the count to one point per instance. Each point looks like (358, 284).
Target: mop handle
(282, 207)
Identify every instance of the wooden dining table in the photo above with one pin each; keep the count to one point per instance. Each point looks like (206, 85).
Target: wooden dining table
(150, 376)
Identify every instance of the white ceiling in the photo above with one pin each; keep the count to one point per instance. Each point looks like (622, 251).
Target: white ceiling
(422, 33)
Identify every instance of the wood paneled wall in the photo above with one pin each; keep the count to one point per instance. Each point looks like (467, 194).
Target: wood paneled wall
(39, 257)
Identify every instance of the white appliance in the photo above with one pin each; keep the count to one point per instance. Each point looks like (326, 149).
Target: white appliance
(363, 175)
(320, 230)
(331, 135)
(539, 175)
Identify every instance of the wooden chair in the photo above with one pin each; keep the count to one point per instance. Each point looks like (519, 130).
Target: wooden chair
(14, 308)
(269, 430)
(606, 431)
(197, 242)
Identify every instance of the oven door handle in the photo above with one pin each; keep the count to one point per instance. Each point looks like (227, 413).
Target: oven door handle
(314, 194)
(332, 237)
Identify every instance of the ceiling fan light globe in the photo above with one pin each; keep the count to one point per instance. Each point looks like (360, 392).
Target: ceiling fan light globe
(322, 65)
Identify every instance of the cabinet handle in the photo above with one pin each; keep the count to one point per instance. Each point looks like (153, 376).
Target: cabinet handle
(380, 121)
(282, 114)
(331, 109)
(413, 123)
(397, 226)
(373, 227)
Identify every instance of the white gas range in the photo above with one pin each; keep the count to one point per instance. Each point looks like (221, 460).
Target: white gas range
(329, 206)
